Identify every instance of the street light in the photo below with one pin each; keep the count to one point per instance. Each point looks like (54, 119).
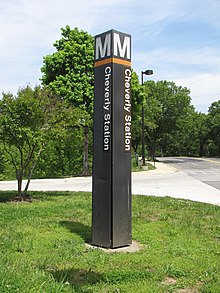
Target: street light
(146, 72)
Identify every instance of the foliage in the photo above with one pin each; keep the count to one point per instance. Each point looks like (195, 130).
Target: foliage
(52, 133)
(172, 126)
(137, 97)
(25, 122)
(191, 136)
(30, 122)
(43, 247)
(69, 73)
(165, 104)
(63, 154)
(214, 126)
(198, 134)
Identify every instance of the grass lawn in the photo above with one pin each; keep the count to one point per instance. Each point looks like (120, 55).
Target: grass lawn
(42, 247)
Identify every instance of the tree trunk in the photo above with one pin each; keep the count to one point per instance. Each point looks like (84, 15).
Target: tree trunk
(32, 170)
(85, 158)
(19, 179)
(154, 150)
(201, 148)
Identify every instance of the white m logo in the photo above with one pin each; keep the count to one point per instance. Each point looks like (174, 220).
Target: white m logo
(120, 50)
(103, 50)
(103, 47)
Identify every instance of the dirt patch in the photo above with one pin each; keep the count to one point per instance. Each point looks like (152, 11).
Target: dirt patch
(169, 281)
(186, 290)
(172, 281)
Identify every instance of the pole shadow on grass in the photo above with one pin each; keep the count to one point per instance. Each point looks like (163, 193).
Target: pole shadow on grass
(76, 227)
(78, 278)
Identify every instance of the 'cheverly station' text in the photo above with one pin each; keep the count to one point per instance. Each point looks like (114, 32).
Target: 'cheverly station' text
(107, 109)
(127, 110)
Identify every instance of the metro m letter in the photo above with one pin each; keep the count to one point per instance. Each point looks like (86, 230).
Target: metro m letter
(103, 50)
(119, 49)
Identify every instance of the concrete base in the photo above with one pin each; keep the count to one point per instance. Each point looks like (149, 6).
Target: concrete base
(134, 247)
(144, 168)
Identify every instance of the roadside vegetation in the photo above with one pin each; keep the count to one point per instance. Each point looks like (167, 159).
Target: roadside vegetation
(43, 247)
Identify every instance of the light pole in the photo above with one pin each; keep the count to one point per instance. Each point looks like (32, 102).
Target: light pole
(146, 72)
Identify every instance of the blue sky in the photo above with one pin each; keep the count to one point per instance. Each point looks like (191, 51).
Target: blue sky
(179, 40)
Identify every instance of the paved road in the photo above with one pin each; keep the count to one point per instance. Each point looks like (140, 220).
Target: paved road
(205, 170)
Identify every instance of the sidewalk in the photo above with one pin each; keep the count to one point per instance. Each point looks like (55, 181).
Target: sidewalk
(161, 168)
(164, 181)
(168, 181)
(76, 183)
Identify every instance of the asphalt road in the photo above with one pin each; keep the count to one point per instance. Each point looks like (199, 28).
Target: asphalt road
(206, 170)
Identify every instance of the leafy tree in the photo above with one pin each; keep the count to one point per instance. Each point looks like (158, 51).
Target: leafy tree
(166, 103)
(191, 137)
(214, 126)
(69, 73)
(201, 133)
(62, 156)
(26, 121)
(137, 97)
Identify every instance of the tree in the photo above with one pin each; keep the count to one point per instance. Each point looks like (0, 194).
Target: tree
(62, 156)
(191, 137)
(166, 103)
(69, 73)
(201, 133)
(214, 126)
(137, 97)
(26, 121)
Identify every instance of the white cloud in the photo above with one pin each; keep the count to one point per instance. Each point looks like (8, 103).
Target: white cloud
(28, 30)
(198, 70)
(205, 88)
(207, 11)
(207, 57)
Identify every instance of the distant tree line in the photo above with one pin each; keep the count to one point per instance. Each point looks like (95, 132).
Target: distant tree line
(46, 131)
(172, 125)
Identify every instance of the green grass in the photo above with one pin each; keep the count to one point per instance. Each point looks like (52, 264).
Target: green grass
(42, 247)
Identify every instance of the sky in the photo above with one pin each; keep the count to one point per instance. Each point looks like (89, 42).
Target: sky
(178, 39)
